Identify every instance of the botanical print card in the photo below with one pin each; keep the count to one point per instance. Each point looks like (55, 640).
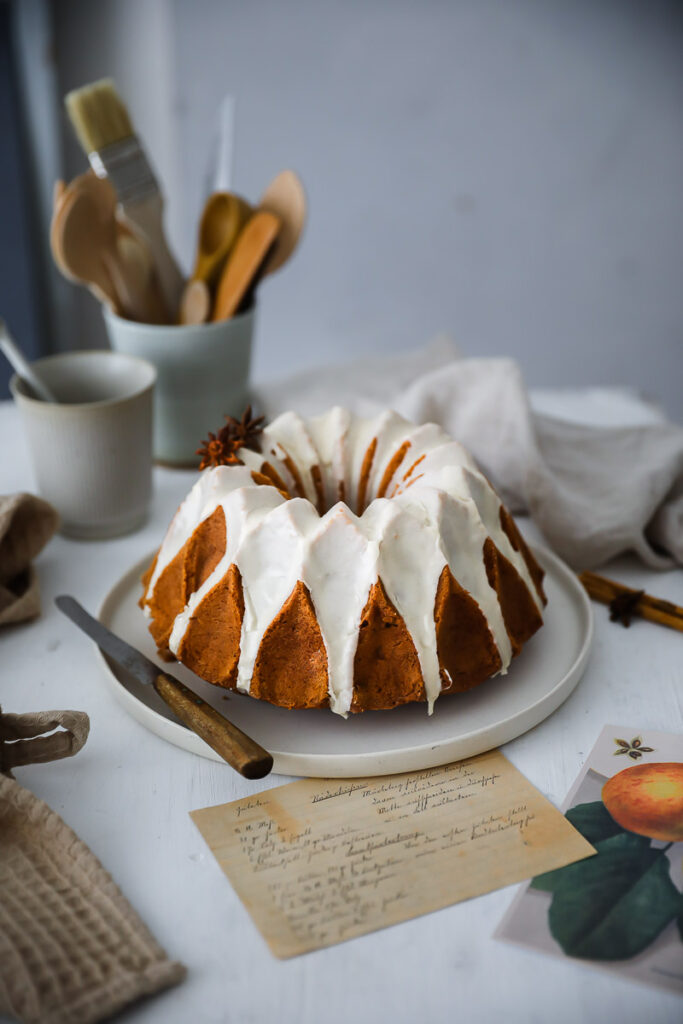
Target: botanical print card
(320, 861)
(623, 908)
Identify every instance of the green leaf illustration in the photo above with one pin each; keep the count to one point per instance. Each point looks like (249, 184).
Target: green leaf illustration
(595, 824)
(593, 821)
(613, 905)
(570, 876)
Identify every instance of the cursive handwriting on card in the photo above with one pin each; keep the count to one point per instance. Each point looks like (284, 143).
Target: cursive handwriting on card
(319, 861)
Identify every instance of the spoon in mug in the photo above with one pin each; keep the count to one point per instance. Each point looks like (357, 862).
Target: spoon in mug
(195, 304)
(224, 216)
(69, 240)
(264, 245)
(245, 264)
(24, 370)
(284, 197)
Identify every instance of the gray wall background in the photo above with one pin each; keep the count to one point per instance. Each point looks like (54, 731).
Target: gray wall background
(508, 172)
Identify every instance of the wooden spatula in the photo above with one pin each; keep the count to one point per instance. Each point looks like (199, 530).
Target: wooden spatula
(285, 197)
(245, 263)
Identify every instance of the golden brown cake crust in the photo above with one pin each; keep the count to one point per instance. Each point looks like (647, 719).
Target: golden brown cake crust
(365, 471)
(291, 667)
(392, 466)
(522, 617)
(466, 649)
(193, 564)
(386, 670)
(211, 644)
(511, 529)
(272, 474)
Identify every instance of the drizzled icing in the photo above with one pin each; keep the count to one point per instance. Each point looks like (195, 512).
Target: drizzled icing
(440, 513)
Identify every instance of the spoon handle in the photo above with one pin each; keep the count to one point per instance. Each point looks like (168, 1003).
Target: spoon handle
(16, 358)
(195, 305)
(244, 263)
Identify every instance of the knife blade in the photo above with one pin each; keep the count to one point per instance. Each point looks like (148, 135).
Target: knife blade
(240, 751)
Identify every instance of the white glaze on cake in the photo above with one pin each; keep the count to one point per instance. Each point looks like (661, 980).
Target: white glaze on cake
(439, 511)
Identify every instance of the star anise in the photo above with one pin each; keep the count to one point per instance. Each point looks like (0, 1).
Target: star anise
(625, 606)
(245, 432)
(221, 448)
(215, 453)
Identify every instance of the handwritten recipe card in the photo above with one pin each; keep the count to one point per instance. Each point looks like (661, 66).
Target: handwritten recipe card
(320, 861)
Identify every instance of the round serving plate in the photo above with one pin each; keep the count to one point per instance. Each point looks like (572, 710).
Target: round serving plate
(321, 744)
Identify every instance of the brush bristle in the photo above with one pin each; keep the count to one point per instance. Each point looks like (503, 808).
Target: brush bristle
(98, 115)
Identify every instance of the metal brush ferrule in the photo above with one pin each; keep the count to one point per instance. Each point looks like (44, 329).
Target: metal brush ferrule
(125, 165)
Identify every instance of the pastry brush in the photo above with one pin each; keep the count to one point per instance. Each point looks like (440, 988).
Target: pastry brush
(104, 129)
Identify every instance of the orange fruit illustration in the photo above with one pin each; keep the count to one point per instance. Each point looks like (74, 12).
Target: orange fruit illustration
(648, 799)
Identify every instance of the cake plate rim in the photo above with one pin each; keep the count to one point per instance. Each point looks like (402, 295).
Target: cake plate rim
(370, 762)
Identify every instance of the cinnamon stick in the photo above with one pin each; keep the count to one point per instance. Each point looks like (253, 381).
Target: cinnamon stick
(654, 609)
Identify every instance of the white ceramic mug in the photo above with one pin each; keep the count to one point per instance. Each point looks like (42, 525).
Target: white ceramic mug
(202, 376)
(92, 450)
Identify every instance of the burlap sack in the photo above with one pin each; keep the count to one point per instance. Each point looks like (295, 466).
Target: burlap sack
(72, 949)
(26, 525)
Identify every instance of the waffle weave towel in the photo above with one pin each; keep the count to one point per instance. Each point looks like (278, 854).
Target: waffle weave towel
(72, 949)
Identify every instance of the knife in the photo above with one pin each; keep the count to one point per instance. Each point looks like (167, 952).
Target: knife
(239, 750)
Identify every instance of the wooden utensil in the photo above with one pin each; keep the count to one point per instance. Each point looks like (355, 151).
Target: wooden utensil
(224, 216)
(58, 190)
(138, 279)
(91, 246)
(106, 133)
(195, 305)
(285, 197)
(240, 751)
(69, 231)
(128, 255)
(245, 264)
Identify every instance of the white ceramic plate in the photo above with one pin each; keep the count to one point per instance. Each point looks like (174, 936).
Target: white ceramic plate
(319, 743)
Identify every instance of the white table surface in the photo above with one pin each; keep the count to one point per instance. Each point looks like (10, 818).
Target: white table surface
(128, 794)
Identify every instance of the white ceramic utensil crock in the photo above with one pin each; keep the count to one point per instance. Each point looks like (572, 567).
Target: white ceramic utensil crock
(203, 375)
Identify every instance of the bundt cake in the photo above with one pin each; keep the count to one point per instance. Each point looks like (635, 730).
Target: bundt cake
(351, 563)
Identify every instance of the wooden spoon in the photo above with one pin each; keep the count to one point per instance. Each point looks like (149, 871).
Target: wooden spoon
(58, 190)
(195, 305)
(285, 197)
(138, 279)
(224, 216)
(245, 263)
(71, 242)
(91, 246)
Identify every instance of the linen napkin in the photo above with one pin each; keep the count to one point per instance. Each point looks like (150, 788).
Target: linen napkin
(594, 492)
(26, 525)
(72, 949)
